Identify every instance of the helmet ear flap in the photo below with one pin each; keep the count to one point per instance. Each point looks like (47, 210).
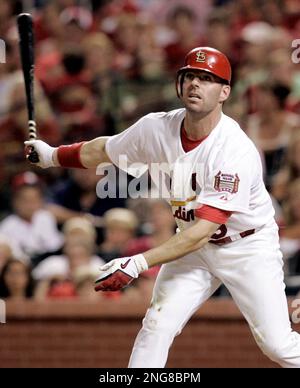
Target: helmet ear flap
(179, 83)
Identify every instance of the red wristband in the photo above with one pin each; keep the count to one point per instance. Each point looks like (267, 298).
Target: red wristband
(69, 155)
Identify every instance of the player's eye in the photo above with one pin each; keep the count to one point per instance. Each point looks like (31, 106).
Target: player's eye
(202, 77)
(206, 77)
(189, 76)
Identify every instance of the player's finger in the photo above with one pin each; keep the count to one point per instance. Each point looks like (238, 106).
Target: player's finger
(106, 266)
(105, 286)
(29, 142)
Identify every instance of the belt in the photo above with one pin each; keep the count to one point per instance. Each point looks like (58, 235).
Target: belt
(228, 239)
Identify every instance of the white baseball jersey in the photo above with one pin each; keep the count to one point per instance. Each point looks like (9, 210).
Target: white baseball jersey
(224, 171)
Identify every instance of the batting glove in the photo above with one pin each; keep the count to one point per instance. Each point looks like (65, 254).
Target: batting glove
(119, 273)
(43, 151)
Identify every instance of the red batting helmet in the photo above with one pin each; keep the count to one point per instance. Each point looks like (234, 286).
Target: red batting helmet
(207, 59)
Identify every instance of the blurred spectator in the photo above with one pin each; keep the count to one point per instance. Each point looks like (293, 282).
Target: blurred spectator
(142, 210)
(274, 12)
(13, 113)
(58, 275)
(101, 68)
(77, 21)
(55, 274)
(271, 126)
(6, 16)
(60, 70)
(77, 196)
(69, 88)
(284, 72)
(14, 130)
(84, 284)
(159, 11)
(289, 171)
(161, 227)
(9, 77)
(81, 228)
(16, 282)
(47, 23)
(151, 56)
(255, 41)
(79, 250)
(290, 235)
(100, 55)
(62, 289)
(183, 22)
(218, 33)
(126, 38)
(5, 251)
(84, 279)
(8, 251)
(31, 228)
(120, 227)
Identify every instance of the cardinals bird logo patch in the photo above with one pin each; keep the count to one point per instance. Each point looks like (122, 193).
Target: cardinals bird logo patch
(227, 182)
(200, 56)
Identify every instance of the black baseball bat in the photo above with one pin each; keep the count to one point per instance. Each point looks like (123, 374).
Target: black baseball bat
(26, 45)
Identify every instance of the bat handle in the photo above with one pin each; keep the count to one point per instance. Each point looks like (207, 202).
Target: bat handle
(33, 155)
(32, 129)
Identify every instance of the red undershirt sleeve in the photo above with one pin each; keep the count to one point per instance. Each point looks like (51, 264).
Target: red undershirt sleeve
(213, 214)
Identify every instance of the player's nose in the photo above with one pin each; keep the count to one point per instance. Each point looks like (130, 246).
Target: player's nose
(195, 81)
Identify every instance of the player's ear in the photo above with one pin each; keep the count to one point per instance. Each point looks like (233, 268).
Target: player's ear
(225, 92)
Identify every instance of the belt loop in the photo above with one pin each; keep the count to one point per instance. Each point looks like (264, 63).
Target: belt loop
(247, 233)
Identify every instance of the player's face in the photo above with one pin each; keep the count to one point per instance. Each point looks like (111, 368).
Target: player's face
(202, 92)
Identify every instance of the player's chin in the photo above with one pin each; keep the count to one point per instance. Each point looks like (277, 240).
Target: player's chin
(193, 102)
(195, 107)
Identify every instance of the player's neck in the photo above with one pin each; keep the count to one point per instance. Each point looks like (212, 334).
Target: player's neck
(197, 128)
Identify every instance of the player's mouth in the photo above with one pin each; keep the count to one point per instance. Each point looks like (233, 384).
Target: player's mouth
(194, 96)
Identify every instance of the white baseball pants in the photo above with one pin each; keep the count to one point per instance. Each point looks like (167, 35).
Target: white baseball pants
(251, 269)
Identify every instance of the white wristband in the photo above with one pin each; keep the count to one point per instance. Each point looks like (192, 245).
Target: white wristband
(140, 262)
(48, 157)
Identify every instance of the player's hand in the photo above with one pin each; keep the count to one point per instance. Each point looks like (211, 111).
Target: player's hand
(39, 153)
(118, 273)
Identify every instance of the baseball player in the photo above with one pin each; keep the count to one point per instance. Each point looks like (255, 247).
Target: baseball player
(227, 233)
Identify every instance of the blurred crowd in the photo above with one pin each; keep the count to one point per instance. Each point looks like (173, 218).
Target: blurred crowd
(99, 66)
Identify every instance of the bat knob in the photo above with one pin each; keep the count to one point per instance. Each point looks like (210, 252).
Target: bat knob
(32, 155)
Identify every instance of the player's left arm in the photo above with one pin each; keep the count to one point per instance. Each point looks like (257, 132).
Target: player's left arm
(120, 272)
(182, 243)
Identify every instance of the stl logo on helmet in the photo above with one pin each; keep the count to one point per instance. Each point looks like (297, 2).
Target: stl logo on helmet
(201, 56)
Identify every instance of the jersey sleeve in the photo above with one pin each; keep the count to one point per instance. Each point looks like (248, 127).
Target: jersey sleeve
(127, 149)
(228, 185)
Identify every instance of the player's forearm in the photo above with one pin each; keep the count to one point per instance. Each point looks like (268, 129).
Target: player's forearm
(181, 243)
(91, 153)
(78, 155)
